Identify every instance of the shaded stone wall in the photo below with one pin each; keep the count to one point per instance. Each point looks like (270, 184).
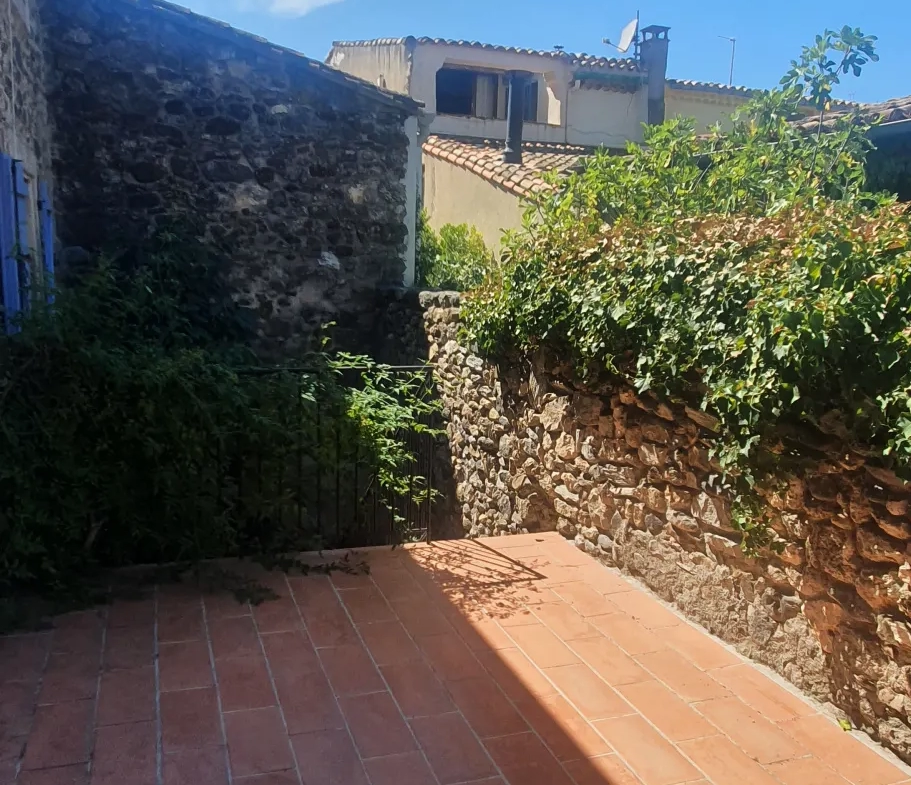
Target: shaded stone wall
(296, 178)
(25, 131)
(630, 481)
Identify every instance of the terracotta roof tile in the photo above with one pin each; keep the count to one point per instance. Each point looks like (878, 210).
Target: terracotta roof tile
(485, 158)
(580, 59)
(892, 111)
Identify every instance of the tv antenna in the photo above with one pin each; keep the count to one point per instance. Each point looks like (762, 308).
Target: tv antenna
(628, 37)
(733, 55)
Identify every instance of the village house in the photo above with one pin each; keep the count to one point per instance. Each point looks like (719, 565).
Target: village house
(476, 166)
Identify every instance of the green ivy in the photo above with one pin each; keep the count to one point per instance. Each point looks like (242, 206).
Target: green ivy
(747, 273)
(456, 258)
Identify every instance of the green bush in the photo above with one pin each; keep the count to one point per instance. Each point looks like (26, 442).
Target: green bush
(456, 258)
(747, 273)
(136, 427)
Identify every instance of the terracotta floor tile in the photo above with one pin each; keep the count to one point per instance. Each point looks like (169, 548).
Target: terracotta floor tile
(287, 777)
(673, 717)
(366, 605)
(519, 751)
(608, 661)
(849, 757)
(486, 709)
(722, 761)
(60, 735)
(196, 767)
(243, 683)
(279, 615)
(603, 579)
(449, 657)
(409, 768)
(759, 738)
(584, 599)
(190, 720)
(308, 703)
(70, 677)
(417, 689)
(565, 732)
(65, 775)
(762, 694)
(329, 625)
(517, 676)
(651, 757)
(388, 643)
(565, 622)
(290, 653)
(132, 613)
(645, 609)
(350, 580)
(125, 755)
(627, 633)
(397, 585)
(587, 692)
(542, 647)
(18, 701)
(483, 635)
(184, 666)
(180, 623)
(257, 742)
(126, 696)
(604, 770)
(22, 657)
(350, 670)
(329, 758)
(682, 677)
(233, 637)
(421, 617)
(452, 749)
(78, 633)
(699, 647)
(551, 773)
(376, 725)
(129, 647)
(514, 616)
(806, 771)
(224, 605)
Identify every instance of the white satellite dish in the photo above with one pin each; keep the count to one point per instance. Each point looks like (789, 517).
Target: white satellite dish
(628, 36)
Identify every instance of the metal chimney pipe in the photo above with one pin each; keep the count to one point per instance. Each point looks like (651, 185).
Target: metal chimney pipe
(653, 53)
(515, 117)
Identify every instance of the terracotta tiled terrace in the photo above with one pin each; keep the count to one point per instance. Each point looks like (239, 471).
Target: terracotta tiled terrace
(517, 660)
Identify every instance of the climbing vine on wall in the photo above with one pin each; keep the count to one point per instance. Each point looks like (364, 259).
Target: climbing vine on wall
(747, 273)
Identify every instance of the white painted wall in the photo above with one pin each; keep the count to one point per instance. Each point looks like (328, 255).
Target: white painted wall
(706, 108)
(388, 62)
(605, 117)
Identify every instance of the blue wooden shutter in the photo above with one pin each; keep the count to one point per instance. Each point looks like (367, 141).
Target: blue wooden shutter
(47, 238)
(9, 274)
(22, 235)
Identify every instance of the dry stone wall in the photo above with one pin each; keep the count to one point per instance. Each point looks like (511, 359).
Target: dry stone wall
(293, 177)
(630, 480)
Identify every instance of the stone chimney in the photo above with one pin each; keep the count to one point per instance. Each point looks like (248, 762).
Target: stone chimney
(515, 117)
(653, 54)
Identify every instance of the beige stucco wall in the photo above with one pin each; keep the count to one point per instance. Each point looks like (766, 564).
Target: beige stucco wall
(706, 108)
(453, 195)
(603, 117)
(385, 65)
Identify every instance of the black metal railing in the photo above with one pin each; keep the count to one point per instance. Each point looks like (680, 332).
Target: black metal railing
(319, 486)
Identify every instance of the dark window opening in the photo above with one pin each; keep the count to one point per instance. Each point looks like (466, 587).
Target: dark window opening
(455, 91)
(531, 101)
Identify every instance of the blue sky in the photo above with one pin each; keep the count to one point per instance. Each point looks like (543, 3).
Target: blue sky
(769, 33)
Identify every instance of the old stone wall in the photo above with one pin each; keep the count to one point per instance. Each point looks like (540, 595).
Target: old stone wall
(25, 131)
(295, 177)
(630, 481)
